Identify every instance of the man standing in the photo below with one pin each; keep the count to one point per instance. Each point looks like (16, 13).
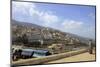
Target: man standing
(90, 47)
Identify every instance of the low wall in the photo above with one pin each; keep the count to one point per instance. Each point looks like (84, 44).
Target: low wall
(48, 58)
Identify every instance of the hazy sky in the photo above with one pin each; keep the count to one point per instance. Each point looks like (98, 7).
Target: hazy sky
(74, 19)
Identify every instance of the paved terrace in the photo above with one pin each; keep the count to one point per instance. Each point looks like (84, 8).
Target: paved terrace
(73, 56)
(77, 58)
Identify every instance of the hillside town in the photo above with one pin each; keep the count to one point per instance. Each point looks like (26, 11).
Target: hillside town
(44, 37)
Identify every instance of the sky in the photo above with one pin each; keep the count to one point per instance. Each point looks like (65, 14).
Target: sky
(76, 19)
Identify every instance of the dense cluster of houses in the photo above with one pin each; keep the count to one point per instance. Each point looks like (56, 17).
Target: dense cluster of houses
(40, 37)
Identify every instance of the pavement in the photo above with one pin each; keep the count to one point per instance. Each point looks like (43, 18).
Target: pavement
(77, 58)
